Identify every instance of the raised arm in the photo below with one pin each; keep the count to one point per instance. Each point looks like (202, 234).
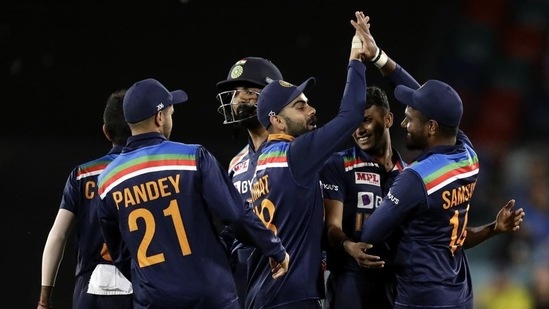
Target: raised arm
(324, 141)
(387, 66)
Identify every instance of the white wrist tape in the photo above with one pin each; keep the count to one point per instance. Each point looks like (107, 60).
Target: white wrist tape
(376, 56)
(357, 42)
(382, 60)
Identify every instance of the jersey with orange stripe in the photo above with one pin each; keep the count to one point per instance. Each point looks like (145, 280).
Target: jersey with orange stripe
(78, 197)
(158, 201)
(287, 196)
(428, 205)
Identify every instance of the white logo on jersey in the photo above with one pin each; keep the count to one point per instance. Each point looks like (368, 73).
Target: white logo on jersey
(243, 186)
(330, 187)
(241, 167)
(393, 198)
(367, 178)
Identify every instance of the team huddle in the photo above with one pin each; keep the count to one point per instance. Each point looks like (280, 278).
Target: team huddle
(294, 221)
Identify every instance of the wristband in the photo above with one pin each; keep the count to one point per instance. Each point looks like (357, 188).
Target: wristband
(41, 304)
(382, 60)
(378, 54)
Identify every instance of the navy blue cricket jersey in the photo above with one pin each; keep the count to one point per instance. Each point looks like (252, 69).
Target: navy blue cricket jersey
(287, 197)
(158, 199)
(241, 172)
(78, 195)
(429, 204)
(359, 182)
(456, 290)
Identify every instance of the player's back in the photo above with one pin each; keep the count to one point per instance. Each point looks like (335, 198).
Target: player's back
(167, 226)
(430, 255)
(79, 193)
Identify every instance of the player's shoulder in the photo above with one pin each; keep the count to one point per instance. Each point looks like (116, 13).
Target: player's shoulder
(180, 147)
(93, 167)
(279, 147)
(347, 152)
(242, 155)
(244, 151)
(338, 157)
(95, 161)
(354, 158)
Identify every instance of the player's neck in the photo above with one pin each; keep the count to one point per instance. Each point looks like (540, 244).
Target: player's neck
(385, 156)
(258, 136)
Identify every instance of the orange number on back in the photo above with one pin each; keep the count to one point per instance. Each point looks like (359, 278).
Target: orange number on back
(150, 227)
(173, 211)
(458, 240)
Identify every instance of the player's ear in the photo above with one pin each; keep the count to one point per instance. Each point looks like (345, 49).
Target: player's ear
(159, 117)
(432, 126)
(389, 118)
(106, 132)
(277, 122)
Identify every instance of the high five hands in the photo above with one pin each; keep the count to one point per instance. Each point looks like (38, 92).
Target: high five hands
(363, 46)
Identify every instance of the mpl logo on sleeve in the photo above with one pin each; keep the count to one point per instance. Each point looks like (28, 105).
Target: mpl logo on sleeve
(241, 167)
(367, 178)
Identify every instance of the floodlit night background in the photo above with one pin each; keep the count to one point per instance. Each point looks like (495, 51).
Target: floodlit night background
(60, 60)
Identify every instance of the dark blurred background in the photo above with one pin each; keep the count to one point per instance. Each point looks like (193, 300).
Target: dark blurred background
(61, 60)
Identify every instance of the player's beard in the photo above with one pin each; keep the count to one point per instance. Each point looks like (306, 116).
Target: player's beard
(246, 115)
(415, 141)
(250, 123)
(295, 129)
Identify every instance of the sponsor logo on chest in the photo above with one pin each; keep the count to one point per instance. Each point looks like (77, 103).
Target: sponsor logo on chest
(368, 200)
(241, 167)
(367, 178)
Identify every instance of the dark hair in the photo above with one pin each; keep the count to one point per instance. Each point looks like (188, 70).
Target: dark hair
(376, 96)
(113, 118)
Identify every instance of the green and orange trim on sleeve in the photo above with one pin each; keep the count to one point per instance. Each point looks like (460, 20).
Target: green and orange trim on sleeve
(91, 169)
(144, 164)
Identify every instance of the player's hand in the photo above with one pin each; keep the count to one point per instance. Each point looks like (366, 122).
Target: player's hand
(279, 269)
(358, 251)
(509, 220)
(368, 47)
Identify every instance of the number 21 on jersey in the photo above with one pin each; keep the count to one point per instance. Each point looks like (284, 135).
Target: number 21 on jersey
(171, 211)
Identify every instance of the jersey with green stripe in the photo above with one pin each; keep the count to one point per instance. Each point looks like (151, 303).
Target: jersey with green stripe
(158, 202)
